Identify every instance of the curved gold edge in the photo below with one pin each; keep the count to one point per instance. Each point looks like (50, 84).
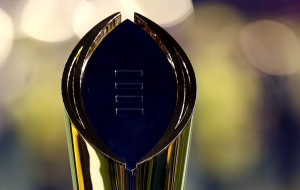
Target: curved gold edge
(71, 81)
(94, 166)
(90, 168)
(93, 170)
(186, 84)
(167, 170)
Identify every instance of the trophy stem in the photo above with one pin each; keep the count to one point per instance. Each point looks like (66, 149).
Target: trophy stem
(131, 179)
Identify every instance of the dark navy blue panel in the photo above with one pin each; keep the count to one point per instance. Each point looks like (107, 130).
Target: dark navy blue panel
(129, 92)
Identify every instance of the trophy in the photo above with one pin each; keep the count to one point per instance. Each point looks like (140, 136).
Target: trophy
(129, 92)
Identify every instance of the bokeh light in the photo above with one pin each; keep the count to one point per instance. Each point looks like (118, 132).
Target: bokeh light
(166, 13)
(16, 76)
(271, 47)
(14, 10)
(211, 29)
(33, 115)
(87, 13)
(6, 36)
(227, 117)
(37, 113)
(48, 20)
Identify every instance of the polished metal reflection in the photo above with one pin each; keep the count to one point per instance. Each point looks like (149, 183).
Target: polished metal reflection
(93, 165)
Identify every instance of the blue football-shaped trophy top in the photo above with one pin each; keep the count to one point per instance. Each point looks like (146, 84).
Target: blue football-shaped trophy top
(129, 92)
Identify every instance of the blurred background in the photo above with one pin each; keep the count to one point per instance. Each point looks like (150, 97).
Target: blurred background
(246, 55)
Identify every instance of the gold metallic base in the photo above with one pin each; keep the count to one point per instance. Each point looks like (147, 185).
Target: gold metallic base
(93, 170)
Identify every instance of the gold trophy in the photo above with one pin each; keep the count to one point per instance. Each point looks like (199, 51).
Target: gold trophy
(129, 92)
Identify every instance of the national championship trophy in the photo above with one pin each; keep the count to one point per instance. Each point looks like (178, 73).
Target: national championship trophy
(129, 92)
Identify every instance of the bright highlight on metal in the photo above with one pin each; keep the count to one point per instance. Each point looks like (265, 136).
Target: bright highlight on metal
(95, 162)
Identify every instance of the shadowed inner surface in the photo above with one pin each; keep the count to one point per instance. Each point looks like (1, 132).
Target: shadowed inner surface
(129, 92)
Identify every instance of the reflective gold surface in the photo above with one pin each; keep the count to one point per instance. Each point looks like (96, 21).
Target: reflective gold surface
(168, 169)
(90, 168)
(93, 170)
(96, 167)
